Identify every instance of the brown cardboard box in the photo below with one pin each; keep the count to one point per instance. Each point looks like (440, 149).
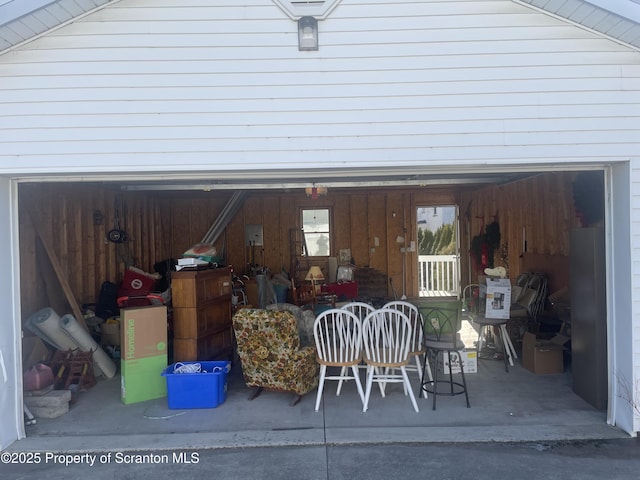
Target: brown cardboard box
(110, 334)
(542, 356)
(469, 361)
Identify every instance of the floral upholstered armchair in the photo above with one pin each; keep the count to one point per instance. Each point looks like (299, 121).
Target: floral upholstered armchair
(270, 353)
(304, 319)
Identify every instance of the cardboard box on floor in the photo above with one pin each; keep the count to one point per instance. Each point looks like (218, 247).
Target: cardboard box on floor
(542, 356)
(143, 353)
(469, 362)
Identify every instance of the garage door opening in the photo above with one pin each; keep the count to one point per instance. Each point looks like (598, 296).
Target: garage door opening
(163, 224)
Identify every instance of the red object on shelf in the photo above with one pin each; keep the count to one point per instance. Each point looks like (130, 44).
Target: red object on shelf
(136, 284)
(343, 290)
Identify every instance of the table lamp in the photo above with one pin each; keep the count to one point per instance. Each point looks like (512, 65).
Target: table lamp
(314, 275)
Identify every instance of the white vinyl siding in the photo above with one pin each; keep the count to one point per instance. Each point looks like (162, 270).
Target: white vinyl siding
(217, 86)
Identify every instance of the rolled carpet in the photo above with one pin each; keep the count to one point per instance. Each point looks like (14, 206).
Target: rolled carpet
(86, 343)
(46, 324)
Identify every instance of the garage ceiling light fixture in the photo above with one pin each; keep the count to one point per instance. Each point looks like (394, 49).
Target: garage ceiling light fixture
(314, 191)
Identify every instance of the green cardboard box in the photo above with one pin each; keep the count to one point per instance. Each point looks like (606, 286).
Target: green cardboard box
(143, 353)
(139, 382)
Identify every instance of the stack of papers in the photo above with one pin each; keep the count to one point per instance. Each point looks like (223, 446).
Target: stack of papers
(190, 262)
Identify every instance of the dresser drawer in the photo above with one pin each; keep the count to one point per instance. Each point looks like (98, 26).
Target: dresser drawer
(197, 322)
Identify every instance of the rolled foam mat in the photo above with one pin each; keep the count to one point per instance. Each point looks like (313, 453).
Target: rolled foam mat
(46, 324)
(87, 343)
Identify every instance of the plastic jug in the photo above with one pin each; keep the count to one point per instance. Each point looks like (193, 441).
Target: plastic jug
(38, 377)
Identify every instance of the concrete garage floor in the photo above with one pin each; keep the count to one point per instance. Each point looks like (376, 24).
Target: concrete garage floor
(513, 406)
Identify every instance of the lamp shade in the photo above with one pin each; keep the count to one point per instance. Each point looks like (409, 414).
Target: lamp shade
(314, 274)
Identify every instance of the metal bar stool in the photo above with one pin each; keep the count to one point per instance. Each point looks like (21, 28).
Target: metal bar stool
(441, 337)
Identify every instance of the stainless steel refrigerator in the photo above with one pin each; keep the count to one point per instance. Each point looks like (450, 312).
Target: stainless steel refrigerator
(588, 315)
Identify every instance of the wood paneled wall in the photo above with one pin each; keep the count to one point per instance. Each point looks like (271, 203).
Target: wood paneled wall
(67, 218)
(163, 225)
(538, 210)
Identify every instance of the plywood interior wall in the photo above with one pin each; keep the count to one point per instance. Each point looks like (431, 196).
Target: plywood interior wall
(74, 221)
(535, 216)
(162, 225)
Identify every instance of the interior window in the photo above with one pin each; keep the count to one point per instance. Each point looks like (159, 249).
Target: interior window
(317, 233)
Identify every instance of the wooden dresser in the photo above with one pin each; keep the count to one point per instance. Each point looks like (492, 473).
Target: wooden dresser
(202, 328)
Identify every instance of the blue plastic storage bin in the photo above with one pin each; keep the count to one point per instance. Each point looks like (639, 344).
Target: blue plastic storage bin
(206, 389)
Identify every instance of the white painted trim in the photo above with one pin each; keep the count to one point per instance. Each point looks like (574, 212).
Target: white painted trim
(620, 315)
(17, 311)
(13, 9)
(57, 27)
(11, 402)
(158, 172)
(320, 9)
(624, 8)
(612, 399)
(579, 25)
